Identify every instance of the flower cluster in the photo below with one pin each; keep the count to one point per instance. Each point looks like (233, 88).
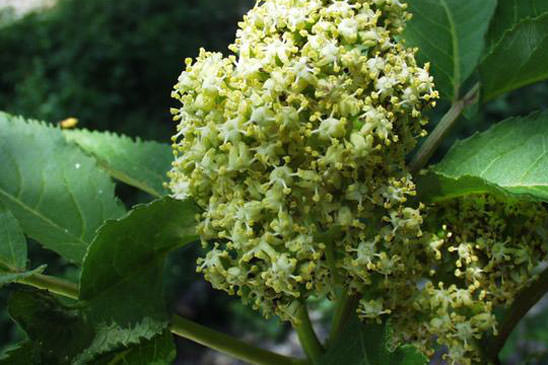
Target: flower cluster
(301, 135)
(478, 253)
(295, 147)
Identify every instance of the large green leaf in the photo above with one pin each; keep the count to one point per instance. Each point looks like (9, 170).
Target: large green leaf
(55, 191)
(142, 164)
(450, 35)
(121, 280)
(519, 58)
(511, 157)
(368, 345)
(13, 250)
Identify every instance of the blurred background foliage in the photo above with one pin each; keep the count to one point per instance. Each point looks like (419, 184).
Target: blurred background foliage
(112, 65)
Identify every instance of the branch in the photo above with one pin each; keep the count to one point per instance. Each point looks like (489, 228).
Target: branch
(524, 301)
(345, 308)
(435, 138)
(223, 343)
(307, 337)
(55, 285)
(181, 327)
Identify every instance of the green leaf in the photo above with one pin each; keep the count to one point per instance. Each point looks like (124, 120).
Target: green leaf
(25, 353)
(509, 13)
(13, 245)
(121, 279)
(57, 332)
(142, 164)
(450, 35)
(159, 350)
(519, 58)
(55, 191)
(13, 250)
(509, 158)
(368, 345)
(112, 340)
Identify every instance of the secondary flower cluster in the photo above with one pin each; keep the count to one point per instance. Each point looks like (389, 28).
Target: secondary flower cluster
(478, 252)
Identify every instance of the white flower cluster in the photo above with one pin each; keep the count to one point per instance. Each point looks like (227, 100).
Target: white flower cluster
(304, 129)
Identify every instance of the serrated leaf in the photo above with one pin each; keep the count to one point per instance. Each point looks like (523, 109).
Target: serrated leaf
(518, 59)
(57, 332)
(450, 35)
(159, 350)
(142, 164)
(509, 13)
(112, 339)
(121, 280)
(13, 245)
(361, 344)
(55, 191)
(509, 158)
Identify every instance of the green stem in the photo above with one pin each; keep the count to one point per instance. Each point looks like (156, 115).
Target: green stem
(523, 302)
(435, 138)
(55, 285)
(345, 307)
(181, 327)
(307, 337)
(223, 343)
(331, 262)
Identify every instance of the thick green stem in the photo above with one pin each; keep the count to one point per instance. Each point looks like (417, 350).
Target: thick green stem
(181, 327)
(345, 307)
(307, 337)
(524, 301)
(435, 138)
(228, 345)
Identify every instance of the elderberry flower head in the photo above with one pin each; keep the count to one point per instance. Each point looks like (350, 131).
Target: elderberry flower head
(294, 147)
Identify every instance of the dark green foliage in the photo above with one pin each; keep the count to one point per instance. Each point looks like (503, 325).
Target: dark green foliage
(59, 334)
(109, 63)
(529, 339)
(518, 59)
(450, 37)
(24, 353)
(39, 315)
